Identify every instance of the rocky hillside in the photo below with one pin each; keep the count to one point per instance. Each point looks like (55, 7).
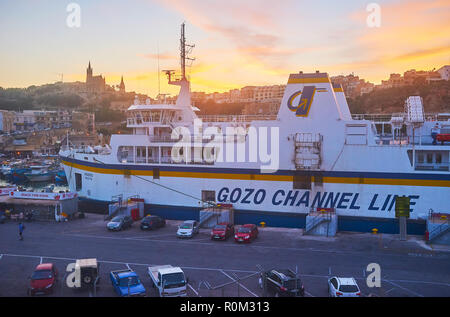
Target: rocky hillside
(436, 97)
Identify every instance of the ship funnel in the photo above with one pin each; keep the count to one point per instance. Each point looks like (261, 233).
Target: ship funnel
(310, 97)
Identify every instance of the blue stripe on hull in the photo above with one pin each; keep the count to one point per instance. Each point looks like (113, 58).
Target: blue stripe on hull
(272, 219)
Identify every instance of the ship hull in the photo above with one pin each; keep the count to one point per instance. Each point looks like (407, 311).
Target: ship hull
(362, 203)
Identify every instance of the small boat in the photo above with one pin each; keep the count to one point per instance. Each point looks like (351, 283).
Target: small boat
(18, 175)
(6, 169)
(60, 176)
(39, 174)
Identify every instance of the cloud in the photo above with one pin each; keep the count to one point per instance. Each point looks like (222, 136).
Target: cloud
(251, 27)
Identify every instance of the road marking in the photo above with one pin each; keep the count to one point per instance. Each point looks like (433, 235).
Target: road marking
(239, 284)
(405, 289)
(128, 266)
(193, 290)
(1, 255)
(389, 291)
(41, 260)
(309, 294)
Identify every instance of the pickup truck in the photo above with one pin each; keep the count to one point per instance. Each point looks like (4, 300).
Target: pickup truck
(127, 283)
(169, 280)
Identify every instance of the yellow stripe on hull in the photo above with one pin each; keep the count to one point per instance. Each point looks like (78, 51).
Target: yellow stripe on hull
(267, 177)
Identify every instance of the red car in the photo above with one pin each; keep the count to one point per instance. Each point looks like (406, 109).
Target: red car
(246, 233)
(222, 231)
(43, 279)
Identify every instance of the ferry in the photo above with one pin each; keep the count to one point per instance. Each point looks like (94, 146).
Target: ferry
(275, 169)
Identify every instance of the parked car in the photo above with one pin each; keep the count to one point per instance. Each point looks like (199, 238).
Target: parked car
(222, 231)
(246, 233)
(119, 223)
(152, 222)
(188, 228)
(282, 282)
(127, 283)
(43, 280)
(343, 287)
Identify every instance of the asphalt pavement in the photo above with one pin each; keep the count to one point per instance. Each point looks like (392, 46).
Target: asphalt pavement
(222, 268)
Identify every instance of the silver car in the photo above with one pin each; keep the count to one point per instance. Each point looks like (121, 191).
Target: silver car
(343, 287)
(188, 228)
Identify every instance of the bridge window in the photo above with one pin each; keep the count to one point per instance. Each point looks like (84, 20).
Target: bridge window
(438, 158)
(125, 154)
(420, 158)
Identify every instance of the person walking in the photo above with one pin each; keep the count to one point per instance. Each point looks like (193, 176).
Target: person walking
(21, 228)
(434, 132)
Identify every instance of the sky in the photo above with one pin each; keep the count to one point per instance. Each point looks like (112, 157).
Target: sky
(237, 42)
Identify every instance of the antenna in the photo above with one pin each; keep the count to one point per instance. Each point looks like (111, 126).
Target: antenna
(184, 52)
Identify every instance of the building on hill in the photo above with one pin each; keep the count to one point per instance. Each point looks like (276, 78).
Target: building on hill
(83, 121)
(262, 108)
(412, 77)
(94, 84)
(121, 105)
(6, 121)
(353, 86)
(444, 71)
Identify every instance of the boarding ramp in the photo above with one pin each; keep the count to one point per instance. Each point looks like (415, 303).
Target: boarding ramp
(132, 206)
(321, 222)
(211, 216)
(438, 228)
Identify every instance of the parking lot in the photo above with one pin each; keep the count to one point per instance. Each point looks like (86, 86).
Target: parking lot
(220, 268)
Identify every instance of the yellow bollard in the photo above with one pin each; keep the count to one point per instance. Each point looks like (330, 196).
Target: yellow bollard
(374, 230)
(262, 224)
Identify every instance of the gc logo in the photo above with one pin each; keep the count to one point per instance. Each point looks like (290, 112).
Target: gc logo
(300, 101)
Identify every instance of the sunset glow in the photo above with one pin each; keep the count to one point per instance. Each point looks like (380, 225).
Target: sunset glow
(237, 43)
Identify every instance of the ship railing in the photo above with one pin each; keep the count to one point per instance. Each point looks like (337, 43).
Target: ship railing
(236, 118)
(377, 117)
(432, 167)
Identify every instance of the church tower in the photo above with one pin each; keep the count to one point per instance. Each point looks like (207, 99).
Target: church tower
(89, 73)
(122, 86)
